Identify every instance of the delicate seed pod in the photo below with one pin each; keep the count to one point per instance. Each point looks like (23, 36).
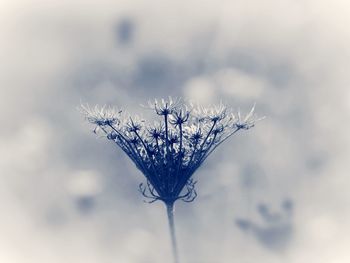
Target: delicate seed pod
(169, 150)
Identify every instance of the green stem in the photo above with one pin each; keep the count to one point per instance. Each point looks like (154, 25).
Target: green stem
(170, 212)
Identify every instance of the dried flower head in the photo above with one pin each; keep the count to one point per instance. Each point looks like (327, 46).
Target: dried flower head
(169, 151)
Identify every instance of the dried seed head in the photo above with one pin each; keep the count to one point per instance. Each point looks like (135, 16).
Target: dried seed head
(170, 150)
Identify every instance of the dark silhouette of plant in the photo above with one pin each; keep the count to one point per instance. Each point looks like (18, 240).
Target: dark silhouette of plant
(172, 148)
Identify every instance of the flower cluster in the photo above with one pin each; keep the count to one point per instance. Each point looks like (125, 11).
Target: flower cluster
(170, 150)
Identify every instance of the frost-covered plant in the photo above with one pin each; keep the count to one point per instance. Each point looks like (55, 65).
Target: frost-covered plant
(169, 150)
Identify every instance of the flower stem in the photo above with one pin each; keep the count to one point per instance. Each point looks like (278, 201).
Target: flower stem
(170, 212)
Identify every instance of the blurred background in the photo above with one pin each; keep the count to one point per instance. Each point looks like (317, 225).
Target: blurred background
(277, 193)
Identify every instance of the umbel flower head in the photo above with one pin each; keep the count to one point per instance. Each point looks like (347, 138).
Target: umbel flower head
(169, 150)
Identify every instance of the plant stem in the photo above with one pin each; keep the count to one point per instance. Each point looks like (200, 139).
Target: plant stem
(170, 212)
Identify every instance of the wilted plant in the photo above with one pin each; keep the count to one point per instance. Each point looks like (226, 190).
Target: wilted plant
(171, 149)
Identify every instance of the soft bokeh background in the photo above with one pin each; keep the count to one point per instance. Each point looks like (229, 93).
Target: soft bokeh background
(278, 193)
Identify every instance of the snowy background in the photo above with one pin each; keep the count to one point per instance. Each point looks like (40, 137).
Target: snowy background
(277, 193)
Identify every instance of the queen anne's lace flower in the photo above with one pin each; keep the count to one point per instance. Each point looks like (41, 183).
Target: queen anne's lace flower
(169, 151)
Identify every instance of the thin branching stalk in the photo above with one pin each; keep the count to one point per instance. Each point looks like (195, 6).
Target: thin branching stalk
(169, 151)
(170, 212)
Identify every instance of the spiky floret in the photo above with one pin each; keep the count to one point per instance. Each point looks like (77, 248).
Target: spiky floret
(171, 149)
